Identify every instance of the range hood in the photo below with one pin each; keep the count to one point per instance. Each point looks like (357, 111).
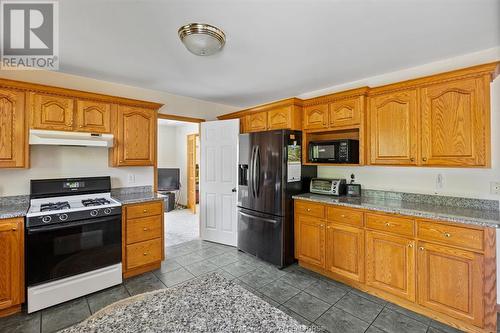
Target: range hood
(61, 138)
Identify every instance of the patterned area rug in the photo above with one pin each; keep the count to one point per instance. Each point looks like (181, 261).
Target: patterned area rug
(209, 304)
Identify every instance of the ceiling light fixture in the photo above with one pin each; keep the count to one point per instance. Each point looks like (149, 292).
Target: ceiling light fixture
(202, 39)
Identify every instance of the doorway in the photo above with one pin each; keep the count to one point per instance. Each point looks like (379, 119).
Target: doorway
(176, 177)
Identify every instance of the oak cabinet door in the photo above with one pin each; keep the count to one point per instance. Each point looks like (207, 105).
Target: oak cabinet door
(93, 117)
(450, 281)
(13, 143)
(390, 264)
(52, 112)
(393, 128)
(316, 116)
(311, 240)
(345, 252)
(279, 118)
(243, 125)
(11, 263)
(257, 122)
(136, 142)
(454, 123)
(347, 112)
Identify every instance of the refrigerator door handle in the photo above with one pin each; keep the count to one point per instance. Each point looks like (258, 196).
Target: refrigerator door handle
(259, 218)
(252, 172)
(257, 170)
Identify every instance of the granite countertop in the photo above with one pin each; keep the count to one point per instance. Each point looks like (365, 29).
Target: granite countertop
(136, 197)
(473, 216)
(15, 206)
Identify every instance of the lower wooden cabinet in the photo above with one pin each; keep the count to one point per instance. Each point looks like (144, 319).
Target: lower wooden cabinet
(311, 240)
(345, 251)
(11, 265)
(390, 264)
(143, 242)
(443, 270)
(450, 281)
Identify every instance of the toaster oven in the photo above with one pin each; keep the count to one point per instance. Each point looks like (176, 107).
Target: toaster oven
(328, 186)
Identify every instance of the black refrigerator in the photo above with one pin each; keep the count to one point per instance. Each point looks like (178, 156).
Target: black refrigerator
(270, 172)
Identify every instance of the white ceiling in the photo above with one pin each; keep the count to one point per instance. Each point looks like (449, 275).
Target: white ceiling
(275, 48)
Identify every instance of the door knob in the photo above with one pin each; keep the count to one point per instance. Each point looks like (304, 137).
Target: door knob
(233, 190)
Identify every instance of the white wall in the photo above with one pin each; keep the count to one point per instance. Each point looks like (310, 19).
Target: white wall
(172, 151)
(54, 162)
(61, 162)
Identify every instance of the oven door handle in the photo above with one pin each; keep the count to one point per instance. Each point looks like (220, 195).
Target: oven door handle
(66, 225)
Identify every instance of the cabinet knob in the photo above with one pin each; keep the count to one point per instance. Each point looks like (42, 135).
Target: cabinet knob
(145, 211)
(145, 254)
(412, 159)
(447, 235)
(14, 229)
(321, 225)
(308, 209)
(145, 229)
(80, 126)
(424, 159)
(410, 245)
(343, 216)
(387, 224)
(421, 248)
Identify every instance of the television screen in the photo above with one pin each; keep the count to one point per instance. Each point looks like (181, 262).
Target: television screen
(168, 179)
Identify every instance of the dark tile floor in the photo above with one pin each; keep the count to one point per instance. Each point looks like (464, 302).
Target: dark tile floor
(310, 298)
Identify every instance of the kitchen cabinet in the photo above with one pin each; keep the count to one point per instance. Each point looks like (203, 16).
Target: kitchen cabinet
(51, 112)
(135, 137)
(450, 281)
(345, 252)
(256, 122)
(93, 116)
(315, 117)
(311, 240)
(11, 266)
(143, 237)
(390, 264)
(13, 140)
(440, 269)
(280, 118)
(455, 123)
(346, 112)
(393, 128)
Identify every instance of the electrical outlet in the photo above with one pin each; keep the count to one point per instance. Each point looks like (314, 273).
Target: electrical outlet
(495, 187)
(439, 181)
(131, 178)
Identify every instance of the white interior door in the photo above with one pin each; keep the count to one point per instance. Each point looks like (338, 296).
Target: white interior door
(218, 181)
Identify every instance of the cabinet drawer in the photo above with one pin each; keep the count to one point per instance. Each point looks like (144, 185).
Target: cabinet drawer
(392, 224)
(452, 235)
(144, 253)
(345, 216)
(309, 208)
(144, 228)
(143, 210)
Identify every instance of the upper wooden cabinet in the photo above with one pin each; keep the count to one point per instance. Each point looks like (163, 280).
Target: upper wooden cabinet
(11, 265)
(393, 128)
(346, 112)
(13, 145)
(455, 123)
(135, 137)
(315, 116)
(280, 118)
(51, 112)
(93, 116)
(256, 122)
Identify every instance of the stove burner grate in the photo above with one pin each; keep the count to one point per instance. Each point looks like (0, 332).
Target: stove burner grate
(54, 206)
(95, 202)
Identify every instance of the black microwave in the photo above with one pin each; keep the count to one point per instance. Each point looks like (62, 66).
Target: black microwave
(334, 151)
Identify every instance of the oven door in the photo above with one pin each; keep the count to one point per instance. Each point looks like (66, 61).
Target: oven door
(55, 252)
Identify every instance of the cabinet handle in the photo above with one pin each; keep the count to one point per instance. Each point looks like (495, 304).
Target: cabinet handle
(412, 159)
(421, 248)
(145, 211)
(387, 224)
(447, 235)
(424, 159)
(328, 227)
(80, 126)
(343, 216)
(145, 254)
(308, 209)
(145, 229)
(322, 225)
(410, 245)
(14, 229)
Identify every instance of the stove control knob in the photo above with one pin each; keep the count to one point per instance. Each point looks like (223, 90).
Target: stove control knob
(63, 217)
(107, 211)
(94, 212)
(46, 219)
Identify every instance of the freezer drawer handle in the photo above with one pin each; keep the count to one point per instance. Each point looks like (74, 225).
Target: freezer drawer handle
(260, 218)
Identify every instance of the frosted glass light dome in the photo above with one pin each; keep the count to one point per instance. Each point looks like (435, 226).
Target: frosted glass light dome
(202, 39)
